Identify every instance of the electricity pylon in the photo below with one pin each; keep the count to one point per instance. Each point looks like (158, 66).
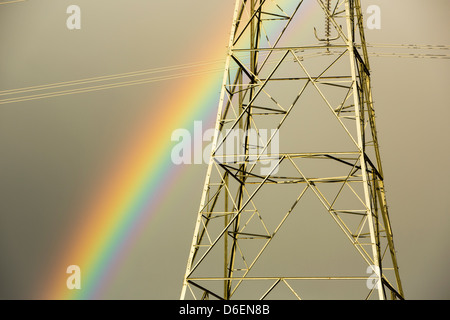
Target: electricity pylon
(294, 201)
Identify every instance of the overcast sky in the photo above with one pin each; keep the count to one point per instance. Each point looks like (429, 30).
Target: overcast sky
(56, 150)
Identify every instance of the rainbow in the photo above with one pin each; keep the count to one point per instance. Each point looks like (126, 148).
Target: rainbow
(135, 189)
(130, 196)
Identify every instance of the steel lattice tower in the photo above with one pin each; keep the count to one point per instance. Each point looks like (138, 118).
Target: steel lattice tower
(294, 202)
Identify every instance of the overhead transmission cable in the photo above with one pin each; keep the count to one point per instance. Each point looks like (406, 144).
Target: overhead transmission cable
(175, 74)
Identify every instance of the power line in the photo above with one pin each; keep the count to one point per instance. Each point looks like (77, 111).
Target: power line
(438, 49)
(174, 76)
(110, 85)
(12, 1)
(108, 77)
(410, 55)
(410, 46)
(105, 86)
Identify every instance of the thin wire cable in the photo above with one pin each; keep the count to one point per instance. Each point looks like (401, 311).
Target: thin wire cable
(410, 55)
(424, 47)
(109, 77)
(410, 46)
(173, 76)
(13, 1)
(106, 86)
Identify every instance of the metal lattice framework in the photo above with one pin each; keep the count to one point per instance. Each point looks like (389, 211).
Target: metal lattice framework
(294, 202)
